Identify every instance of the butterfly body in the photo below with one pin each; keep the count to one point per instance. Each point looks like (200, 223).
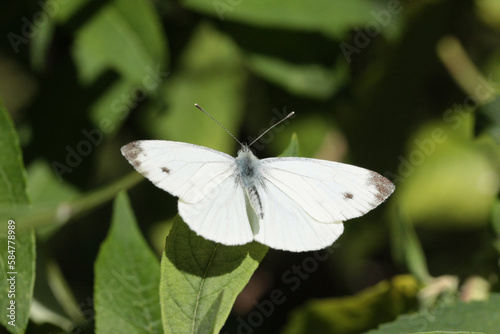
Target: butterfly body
(249, 177)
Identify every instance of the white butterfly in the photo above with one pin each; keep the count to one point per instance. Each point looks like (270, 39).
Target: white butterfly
(293, 204)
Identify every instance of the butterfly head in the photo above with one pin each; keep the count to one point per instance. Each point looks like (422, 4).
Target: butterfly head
(244, 151)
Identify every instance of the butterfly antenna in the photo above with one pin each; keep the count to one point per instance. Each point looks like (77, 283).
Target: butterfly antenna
(216, 121)
(284, 119)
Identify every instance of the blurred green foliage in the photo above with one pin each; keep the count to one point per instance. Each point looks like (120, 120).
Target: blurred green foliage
(409, 89)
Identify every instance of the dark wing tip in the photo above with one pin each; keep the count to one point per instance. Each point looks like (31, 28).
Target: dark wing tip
(383, 186)
(131, 151)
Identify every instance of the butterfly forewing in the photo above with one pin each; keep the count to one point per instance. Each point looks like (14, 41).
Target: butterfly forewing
(185, 170)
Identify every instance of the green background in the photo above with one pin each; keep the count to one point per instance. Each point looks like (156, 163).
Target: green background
(405, 88)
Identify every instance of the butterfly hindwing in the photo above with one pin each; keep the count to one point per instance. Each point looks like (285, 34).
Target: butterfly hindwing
(285, 225)
(221, 215)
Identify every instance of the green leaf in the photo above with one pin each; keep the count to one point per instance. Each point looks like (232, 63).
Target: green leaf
(432, 186)
(24, 278)
(406, 247)
(126, 278)
(331, 17)
(375, 305)
(40, 178)
(293, 148)
(12, 195)
(310, 80)
(469, 317)
(12, 173)
(200, 280)
(66, 10)
(124, 36)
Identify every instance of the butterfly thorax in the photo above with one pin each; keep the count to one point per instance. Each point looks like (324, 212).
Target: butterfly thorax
(249, 176)
(247, 166)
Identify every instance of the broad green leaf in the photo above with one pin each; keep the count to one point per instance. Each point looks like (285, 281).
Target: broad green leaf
(375, 305)
(41, 43)
(489, 11)
(431, 182)
(200, 280)
(126, 278)
(123, 36)
(466, 317)
(40, 178)
(211, 74)
(310, 80)
(331, 17)
(24, 278)
(21, 243)
(12, 173)
(65, 11)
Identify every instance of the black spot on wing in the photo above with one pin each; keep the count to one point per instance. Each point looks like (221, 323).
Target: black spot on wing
(348, 196)
(165, 170)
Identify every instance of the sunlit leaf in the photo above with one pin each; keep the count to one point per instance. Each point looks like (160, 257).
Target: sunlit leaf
(123, 37)
(127, 278)
(200, 280)
(332, 18)
(309, 80)
(432, 182)
(469, 317)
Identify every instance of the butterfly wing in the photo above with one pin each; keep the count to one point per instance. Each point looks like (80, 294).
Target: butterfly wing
(210, 201)
(306, 200)
(287, 226)
(221, 215)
